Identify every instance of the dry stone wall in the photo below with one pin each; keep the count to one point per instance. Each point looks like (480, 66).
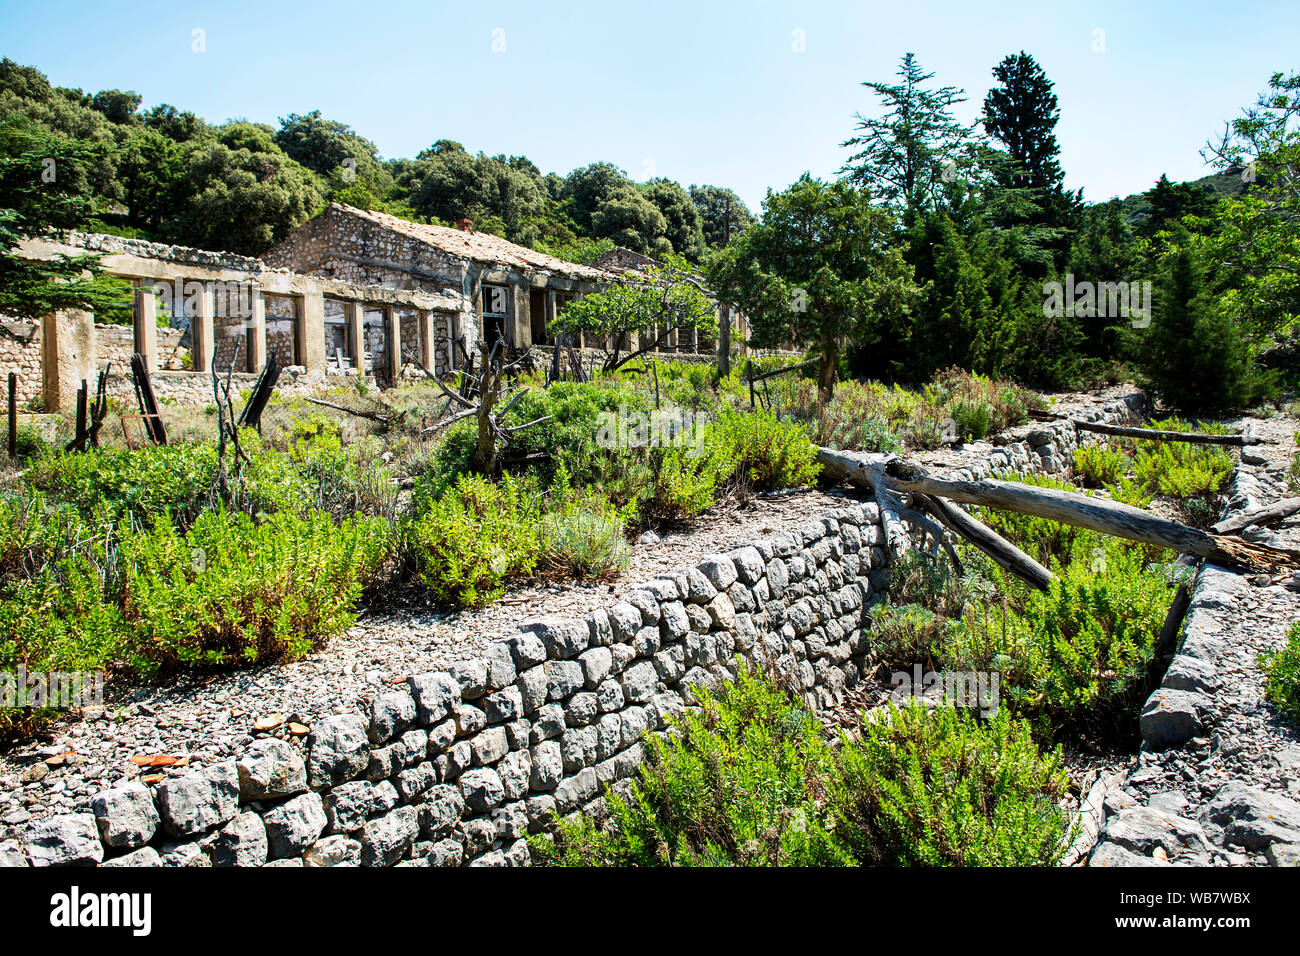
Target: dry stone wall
(457, 766)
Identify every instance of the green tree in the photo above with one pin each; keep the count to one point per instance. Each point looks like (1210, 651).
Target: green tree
(685, 227)
(44, 185)
(1021, 113)
(1256, 241)
(243, 194)
(1194, 355)
(908, 153)
(669, 297)
(723, 215)
(821, 269)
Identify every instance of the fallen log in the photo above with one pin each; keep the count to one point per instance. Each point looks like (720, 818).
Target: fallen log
(1157, 434)
(1068, 507)
(1274, 512)
(1005, 554)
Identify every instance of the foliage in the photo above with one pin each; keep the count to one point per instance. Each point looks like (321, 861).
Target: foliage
(1282, 675)
(820, 268)
(1100, 465)
(748, 779)
(771, 454)
(1181, 469)
(473, 538)
(943, 788)
(231, 590)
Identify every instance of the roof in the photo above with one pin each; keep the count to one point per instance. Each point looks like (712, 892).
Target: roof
(480, 247)
(618, 259)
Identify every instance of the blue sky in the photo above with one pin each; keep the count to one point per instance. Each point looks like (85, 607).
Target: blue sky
(703, 92)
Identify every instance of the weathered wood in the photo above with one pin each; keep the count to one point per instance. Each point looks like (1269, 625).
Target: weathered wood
(13, 415)
(359, 412)
(1274, 512)
(153, 423)
(1005, 554)
(251, 416)
(1155, 434)
(1068, 507)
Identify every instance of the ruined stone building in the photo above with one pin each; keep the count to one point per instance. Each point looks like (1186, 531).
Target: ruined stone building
(505, 291)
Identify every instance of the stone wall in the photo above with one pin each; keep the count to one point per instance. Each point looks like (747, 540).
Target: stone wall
(20, 351)
(457, 766)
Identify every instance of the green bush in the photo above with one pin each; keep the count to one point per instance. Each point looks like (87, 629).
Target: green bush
(749, 779)
(1073, 658)
(231, 590)
(972, 419)
(1100, 465)
(944, 788)
(1282, 675)
(744, 781)
(771, 454)
(584, 541)
(473, 538)
(1181, 469)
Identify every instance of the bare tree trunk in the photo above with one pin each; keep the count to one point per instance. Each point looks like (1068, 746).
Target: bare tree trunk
(1002, 551)
(1068, 507)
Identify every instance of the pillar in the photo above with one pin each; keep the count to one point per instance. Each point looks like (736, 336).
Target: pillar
(202, 334)
(428, 351)
(309, 331)
(257, 333)
(144, 325)
(355, 334)
(393, 344)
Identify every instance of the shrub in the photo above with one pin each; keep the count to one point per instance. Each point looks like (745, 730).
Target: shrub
(771, 454)
(1100, 465)
(474, 537)
(1181, 469)
(53, 612)
(1072, 658)
(231, 590)
(972, 419)
(584, 541)
(1282, 675)
(749, 779)
(743, 781)
(943, 788)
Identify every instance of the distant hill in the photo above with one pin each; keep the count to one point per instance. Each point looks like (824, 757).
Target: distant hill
(1137, 207)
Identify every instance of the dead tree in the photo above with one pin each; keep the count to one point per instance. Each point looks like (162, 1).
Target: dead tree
(490, 387)
(228, 433)
(890, 478)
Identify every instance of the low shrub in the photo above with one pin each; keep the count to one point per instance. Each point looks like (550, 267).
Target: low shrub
(231, 590)
(474, 537)
(1181, 469)
(584, 541)
(943, 788)
(972, 419)
(771, 454)
(1282, 675)
(1100, 465)
(1072, 659)
(749, 779)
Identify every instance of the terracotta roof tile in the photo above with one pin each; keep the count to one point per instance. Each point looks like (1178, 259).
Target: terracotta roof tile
(482, 247)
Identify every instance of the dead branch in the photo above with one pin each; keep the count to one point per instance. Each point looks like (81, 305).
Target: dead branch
(892, 475)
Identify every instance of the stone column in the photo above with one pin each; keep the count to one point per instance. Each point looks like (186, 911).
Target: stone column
(257, 333)
(202, 334)
(145, 325)
(355, 333)
(67, 355)
(309, 331)
(393, 344)
(428, 351)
